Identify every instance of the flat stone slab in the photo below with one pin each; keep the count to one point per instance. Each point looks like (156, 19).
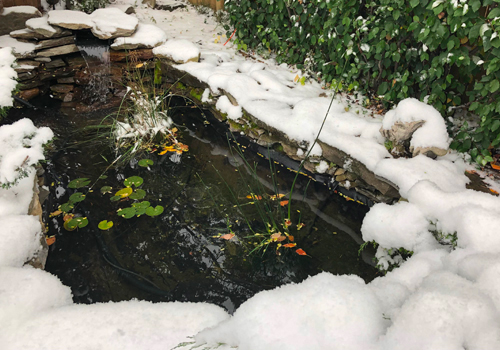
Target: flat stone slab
(65, 40)
(74, 20)
(15, 17)
(178, 51)
(57, 51)
(147, 36)
(42, 27)
(26, 34)
(110, 23)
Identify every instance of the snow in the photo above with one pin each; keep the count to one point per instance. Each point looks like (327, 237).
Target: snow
(322, 167)
(17, 46)
(432, 134)
(41, 23)
(7, 76)
(178, 50)
(443, 297)
(108, 20)
(70, 17)
(146, 34)
(20, 9)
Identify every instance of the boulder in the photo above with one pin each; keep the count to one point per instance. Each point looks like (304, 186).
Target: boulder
(178, 51)
(110, 23)
(57, 51)
(400, 132)
(15, 17)
(26, 34)
(29, 94)
(147, 36)
(74, 20)
(42, 27)
(431, 152)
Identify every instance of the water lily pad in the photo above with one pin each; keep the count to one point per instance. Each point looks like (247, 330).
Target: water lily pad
(133, 180)
(76, 197)
(124, 192)
(143, 204)
(115, 198)
(75, 223)
(140, 211)
(127, 213)
(138, 194)
(105, 225)
(78, 183)
(154, 211)
(145, 163)
(66, 207)
(103, 177)
(106, 189)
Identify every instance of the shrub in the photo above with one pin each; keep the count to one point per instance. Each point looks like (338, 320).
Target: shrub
(446, 52)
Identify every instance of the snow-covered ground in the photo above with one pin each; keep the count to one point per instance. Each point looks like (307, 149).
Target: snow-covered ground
(441, 298)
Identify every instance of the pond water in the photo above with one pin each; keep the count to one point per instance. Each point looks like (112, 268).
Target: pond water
(179, 255)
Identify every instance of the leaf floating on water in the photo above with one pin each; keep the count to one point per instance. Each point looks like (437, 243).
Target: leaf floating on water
(133, 180)
(103, 177)
(50, 240)
(106, 189)
(154, 211)
(57, 212)
(291, 238)
(283, 203)
(138, 194)
(227, 236)
(289, 245)
(299, 226)
(68, 217)
(78, 183)
(74, 223)
(254, 197)
(145, 163)
(115, 198)
(105, 225)
(76, 197)
(276, 236)
(127, 213)
(300, 252)
(124, 192)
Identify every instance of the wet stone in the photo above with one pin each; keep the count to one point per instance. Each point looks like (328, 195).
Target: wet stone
(340, 178)
(65, 40)
(27, 75)
(57, 51)
(29, 94)
(68, 80)
(55, 64)
(339, 171)
(62, 88)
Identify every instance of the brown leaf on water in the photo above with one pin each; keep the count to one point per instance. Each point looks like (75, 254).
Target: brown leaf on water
(68, 217)
(300, 252)
(57, 212)
(227, 236)
(289, 245)
(50, 240)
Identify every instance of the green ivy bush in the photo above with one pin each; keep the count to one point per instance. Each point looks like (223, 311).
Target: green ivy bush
(444, 51)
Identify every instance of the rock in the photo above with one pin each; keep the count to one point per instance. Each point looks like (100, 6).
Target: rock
(26, 66)
(44, 44)
(170, 7)
(30, 84)
(339, 171)
(431, 152)
(29, 94)
(55, 64)
(124, 8)
(150, 3)
(112, 23)
(15, 17)
(68, 80)
(56, 51)
(74, 20)
(133, 56)
(42, 27)
(43, 59)
(178, 51)
(57, 73)
(351, 176)
(266, 141)
(401, 132)
(340, 178)
(26, 34)
(27, 75)
(62, 88)
(146, 36)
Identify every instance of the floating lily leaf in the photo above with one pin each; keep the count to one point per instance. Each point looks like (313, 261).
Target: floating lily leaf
(106, 189)
(140, 211)
(145, 163)
(103, 177)
(127, 213)
(154, 211)
(66, 207)
(68, 217)
(138, 194)
(115, 198)
(74, 223)
(80, 182)
(76, 197)
(105, 225)
(133, 180)
(143, 204)
(124, 192)
(300, 252)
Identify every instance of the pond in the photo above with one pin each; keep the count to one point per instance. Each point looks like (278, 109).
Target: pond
(188, 253)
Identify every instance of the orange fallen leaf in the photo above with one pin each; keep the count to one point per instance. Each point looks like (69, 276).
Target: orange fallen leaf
(283, 203)
(291, 238)
(289, 245)
(495, 166)
(227, 236)
(254, 196)
(300, 252)
(287, 222)
(276, 236)
(278, 196)
(68, 217)
(493, 191)
(50, 240)
(57, 212)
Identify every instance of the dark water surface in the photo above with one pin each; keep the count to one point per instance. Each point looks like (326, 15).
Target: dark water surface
(177, 255)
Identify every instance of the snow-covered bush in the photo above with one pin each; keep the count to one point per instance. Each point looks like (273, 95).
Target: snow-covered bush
(7, 79)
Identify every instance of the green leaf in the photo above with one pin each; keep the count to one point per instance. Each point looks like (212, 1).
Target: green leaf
(494, 85)
(154, 211)
(106, 189)
(494, 13)
(414, 3)
(76, 197)
(66, 207)
(103, 177)
(143, 204)
(145, 163)
(127, 213)
(133, 180)
(495, 125)
(75, 223)
(138, 194)
(115, 198)
(382, 89)
(105, 225)
(78, 183)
